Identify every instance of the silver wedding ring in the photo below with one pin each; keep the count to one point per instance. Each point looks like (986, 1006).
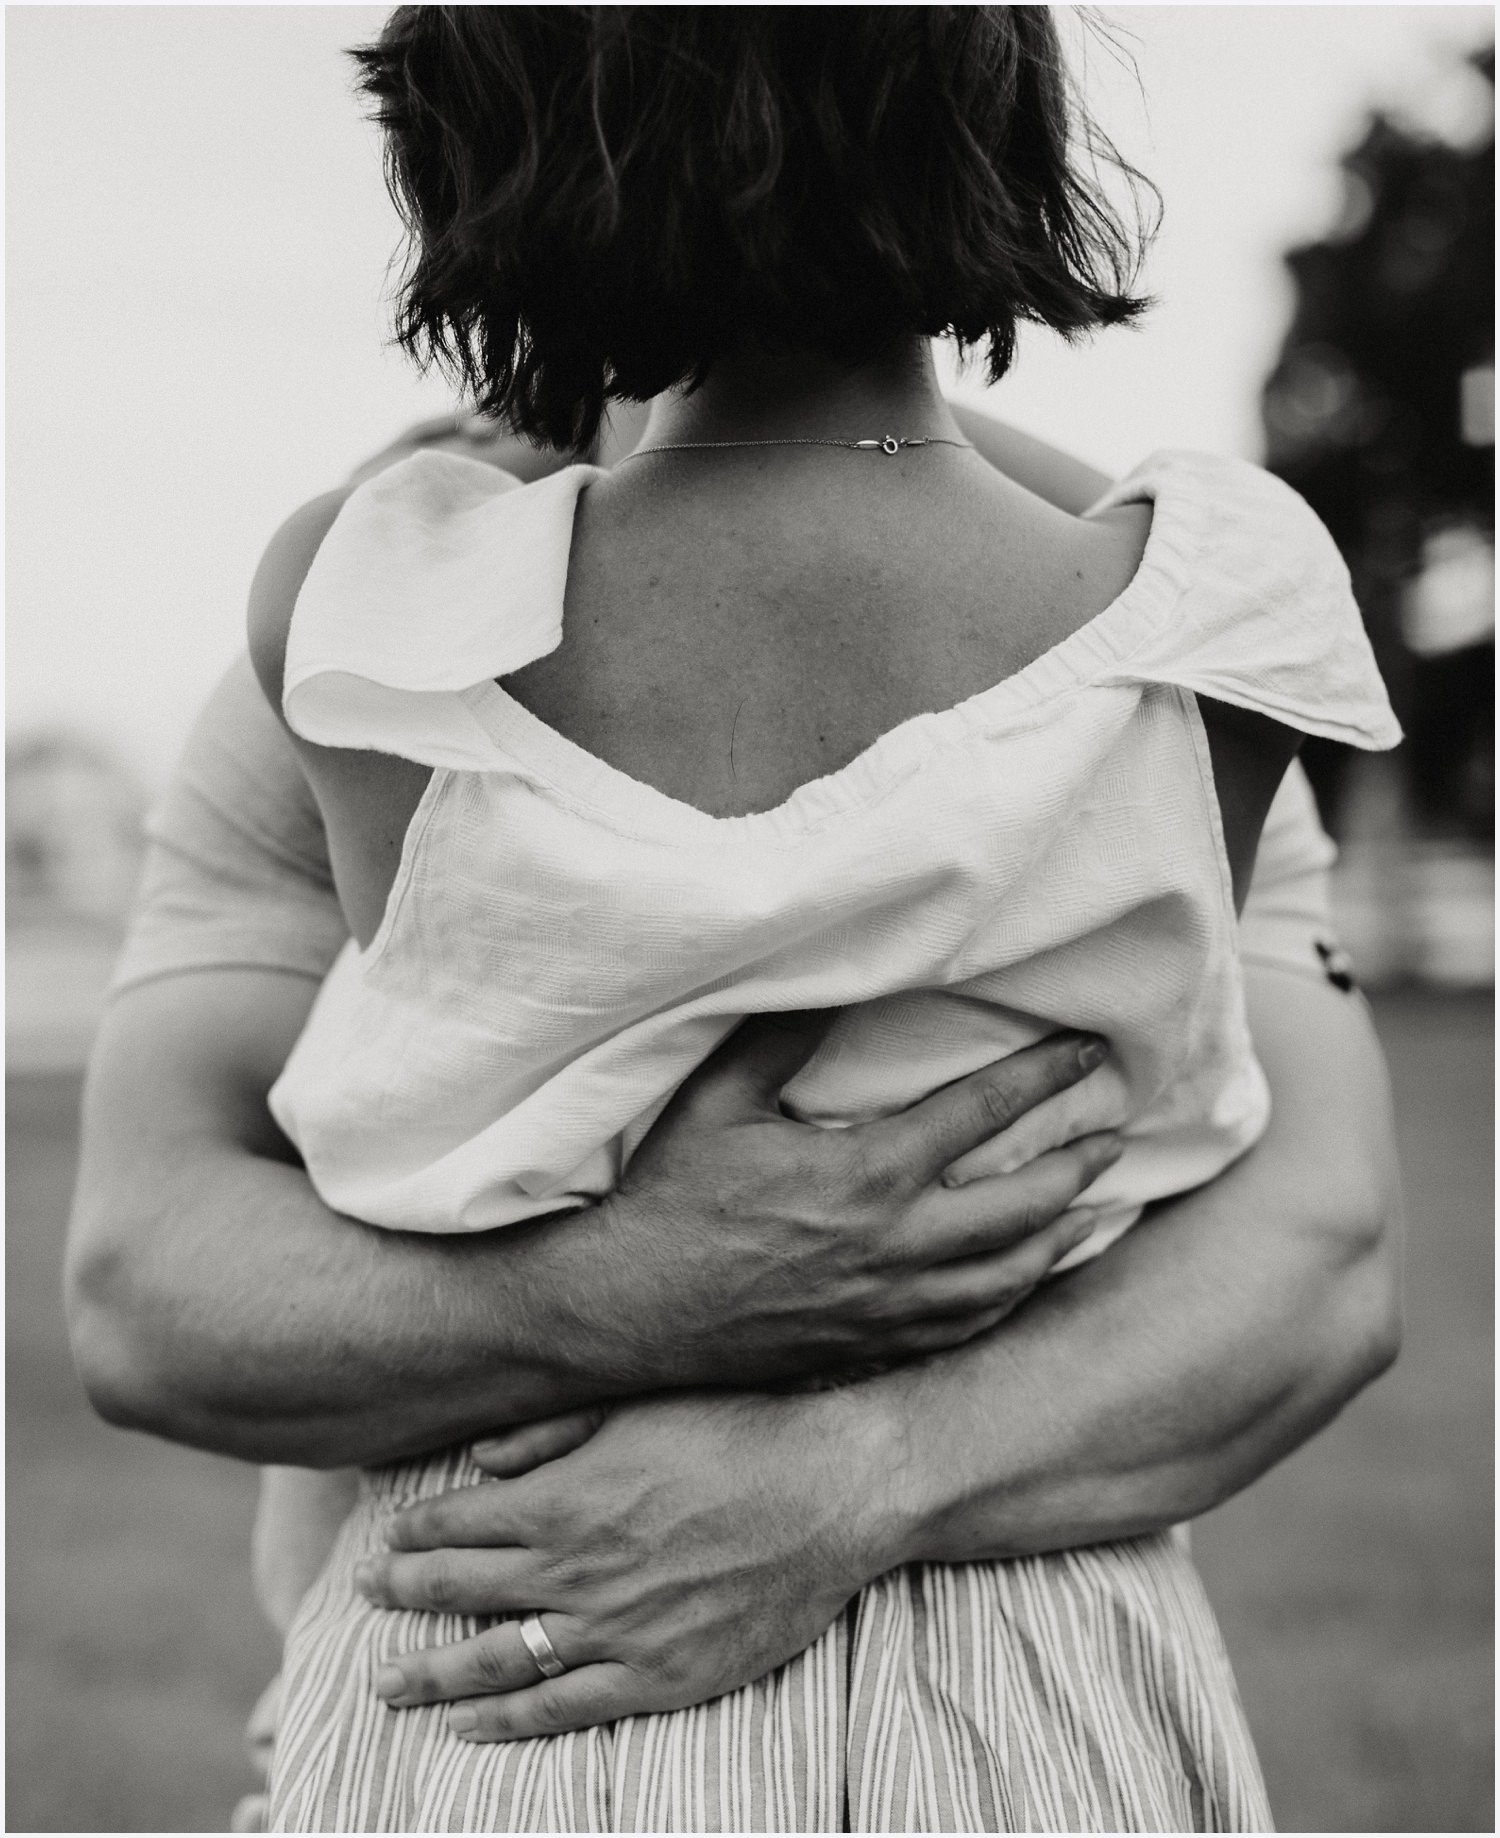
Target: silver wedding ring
(541, 1649)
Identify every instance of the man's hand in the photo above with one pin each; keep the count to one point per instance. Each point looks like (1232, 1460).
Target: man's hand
(748, 1248)
(215, 1300)
(682, 1549)
(676, 1547)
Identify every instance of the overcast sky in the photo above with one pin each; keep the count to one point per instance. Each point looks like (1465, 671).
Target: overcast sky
(197, 239)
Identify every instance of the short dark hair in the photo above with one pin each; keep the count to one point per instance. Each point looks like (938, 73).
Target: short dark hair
(602, 200)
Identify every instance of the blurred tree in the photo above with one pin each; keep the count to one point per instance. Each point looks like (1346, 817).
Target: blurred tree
(1380, 411)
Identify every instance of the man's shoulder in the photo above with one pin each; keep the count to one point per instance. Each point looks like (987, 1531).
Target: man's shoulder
(236, 871)
(240, 769)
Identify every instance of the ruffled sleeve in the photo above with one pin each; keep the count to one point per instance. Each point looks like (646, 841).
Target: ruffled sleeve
(1265, 617)
(438, 576)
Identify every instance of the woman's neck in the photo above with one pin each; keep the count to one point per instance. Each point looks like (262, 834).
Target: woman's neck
(757, 395)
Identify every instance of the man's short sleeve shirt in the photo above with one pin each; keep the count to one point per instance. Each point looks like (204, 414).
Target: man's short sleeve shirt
(236, 872)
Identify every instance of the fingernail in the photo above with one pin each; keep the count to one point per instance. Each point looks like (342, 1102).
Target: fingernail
(390, 1682)
(463, 1721)
(1093, 1052)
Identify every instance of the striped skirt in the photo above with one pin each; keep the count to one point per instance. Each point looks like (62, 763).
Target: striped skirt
(1086, 1691)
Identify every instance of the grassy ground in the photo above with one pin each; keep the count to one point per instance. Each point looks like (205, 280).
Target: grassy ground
(1354, 1583)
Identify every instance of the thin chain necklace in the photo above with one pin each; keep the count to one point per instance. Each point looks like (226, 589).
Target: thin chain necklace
(888, 444)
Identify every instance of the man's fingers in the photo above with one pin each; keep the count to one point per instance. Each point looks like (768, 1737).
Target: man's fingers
(748, 1071)
(924, 1140)
(974, 1285)
(577, 1700)
(527, 1446)
(497, 1660)
(493, 1513)
(1001, 1211)
(451, 1582)
(945, 1332)
(963, 1300)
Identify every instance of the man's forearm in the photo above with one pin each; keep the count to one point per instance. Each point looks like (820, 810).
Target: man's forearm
(1229, 1326)
(214, 1300)
(323, 1342)
(290, 1333)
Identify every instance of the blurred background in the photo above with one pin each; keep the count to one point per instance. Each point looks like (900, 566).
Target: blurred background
(197, 249)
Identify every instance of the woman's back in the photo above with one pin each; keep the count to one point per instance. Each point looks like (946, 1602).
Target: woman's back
(739, 623)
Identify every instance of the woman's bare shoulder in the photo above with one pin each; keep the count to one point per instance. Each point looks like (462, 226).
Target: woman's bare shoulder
(1066, 568)
(278, 581)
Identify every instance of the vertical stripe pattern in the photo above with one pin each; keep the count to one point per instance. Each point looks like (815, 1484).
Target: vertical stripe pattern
(1086, 1691)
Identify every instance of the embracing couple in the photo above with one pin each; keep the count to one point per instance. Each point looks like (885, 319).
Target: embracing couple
(775, 1423)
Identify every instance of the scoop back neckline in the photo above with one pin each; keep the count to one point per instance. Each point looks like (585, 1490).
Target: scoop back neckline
(587, 781)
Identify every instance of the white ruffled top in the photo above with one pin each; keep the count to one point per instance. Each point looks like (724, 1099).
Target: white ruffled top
(563, 944)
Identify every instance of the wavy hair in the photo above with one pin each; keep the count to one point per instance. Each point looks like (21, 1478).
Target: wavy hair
(600, 201)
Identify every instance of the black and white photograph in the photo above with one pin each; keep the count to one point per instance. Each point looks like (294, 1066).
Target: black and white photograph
(750, 918)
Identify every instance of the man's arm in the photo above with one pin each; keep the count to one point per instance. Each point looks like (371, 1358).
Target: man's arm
(216, 1301)
(1134, 1393)
(1228, 1327)
(1277, 1287)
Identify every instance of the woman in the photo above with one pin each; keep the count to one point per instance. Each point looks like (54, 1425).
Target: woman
(744, 390)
